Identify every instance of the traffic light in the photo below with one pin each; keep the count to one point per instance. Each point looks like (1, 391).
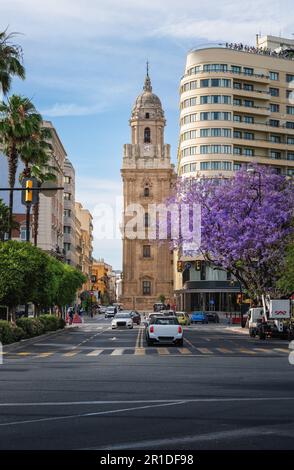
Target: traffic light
(198, 265)
(29, 192)
(239, 298)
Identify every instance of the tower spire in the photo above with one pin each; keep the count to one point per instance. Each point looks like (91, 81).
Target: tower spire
(147, 84)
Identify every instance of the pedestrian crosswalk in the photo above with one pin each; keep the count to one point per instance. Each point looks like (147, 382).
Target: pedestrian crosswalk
(148, 351)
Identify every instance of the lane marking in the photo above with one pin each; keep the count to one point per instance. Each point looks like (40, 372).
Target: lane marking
(138, 338)
(205, 350)
(262, 350)
(85, 415)
(45, 354)
(224, 350)
(162, 351)
(117, 352)
(140, 352)
(246, 351)
(24, 353)
(96, 352)
(213, 436)
(282, 350)
(164, 400)
(71, 354)
(184, 350)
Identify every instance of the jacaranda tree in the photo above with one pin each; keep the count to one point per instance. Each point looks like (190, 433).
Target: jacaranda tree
(246, 224)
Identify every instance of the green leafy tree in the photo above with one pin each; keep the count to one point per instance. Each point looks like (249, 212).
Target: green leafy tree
(10, 61)
(286, 282)
(19, 121)
(4, 219)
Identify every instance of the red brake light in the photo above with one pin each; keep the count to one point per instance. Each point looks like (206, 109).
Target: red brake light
(179, 329)
(151, 329)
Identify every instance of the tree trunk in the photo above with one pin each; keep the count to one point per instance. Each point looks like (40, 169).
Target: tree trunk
(12, 168)
(35, 223)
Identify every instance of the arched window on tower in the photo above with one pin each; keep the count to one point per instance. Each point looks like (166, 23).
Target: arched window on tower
(147, 135)
(146, 191)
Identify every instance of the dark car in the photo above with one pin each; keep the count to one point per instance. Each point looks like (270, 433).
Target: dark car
(212, 317)
(136, 317)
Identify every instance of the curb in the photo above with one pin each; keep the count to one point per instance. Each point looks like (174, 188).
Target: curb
(28, 341)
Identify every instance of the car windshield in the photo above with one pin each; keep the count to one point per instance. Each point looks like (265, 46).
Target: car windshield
(164, 321)
(122, 315)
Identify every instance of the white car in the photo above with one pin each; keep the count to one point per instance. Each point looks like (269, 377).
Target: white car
(110, 312)
(122, 320)
(163, 329)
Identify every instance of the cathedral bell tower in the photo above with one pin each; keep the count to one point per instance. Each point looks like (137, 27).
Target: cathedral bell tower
(147, 175)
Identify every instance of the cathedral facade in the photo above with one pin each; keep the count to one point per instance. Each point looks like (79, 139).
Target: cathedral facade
(148, 176)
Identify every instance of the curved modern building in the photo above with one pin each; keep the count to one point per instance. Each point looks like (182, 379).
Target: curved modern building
(237, 107)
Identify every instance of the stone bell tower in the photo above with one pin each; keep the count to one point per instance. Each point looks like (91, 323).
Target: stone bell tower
(147, 175)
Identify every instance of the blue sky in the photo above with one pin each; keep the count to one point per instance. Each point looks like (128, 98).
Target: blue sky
(85, 63)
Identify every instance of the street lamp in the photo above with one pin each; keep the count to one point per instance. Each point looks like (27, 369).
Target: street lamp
(253, 171)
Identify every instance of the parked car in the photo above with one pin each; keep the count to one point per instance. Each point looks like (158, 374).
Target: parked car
(162, 329)
(136, 317)
(122, 319)
(212, 317)
(183, 318)
(199, 317)
(110, 312)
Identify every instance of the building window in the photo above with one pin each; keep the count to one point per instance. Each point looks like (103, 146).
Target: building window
(204, 83)
(237, 85)
(236, 69)
(215, 68)
(248, 135)
(66, 247)
(147, 115)
(290, 125)
(237, 102)
(237, 118)
(274, 123)
(276, 155)
(237, 150)
(248, 70)
(67, 212)
(248, 152)
(249, 103)
(146, 251)
(67, 196)
(67, 179)
(275, 108)
(290, 94)
(290, 172)
(290, 140)
(249, 119)
(67, 229)
(147, 135)
(237, 135)
(23, 234)
(290, 109)
(274, 91)
(237, 166)
(290, 156)
(274, 76)
(146, 192)
(275, 138)
(248, 87)
(146, 220)
(146, 287)
(289, 77)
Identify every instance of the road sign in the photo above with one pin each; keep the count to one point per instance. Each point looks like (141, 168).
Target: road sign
(48, 188)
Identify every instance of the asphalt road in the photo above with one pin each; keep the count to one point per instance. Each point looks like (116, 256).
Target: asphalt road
(90, 387)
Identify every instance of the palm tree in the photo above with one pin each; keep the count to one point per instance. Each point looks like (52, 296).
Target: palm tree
(36, 154)
(10, 61)
(19, 121)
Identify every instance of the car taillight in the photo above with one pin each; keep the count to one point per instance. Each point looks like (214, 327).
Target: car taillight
(179, 329)
(151, 329)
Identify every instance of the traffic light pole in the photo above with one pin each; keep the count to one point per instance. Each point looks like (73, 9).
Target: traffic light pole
(28, 213)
